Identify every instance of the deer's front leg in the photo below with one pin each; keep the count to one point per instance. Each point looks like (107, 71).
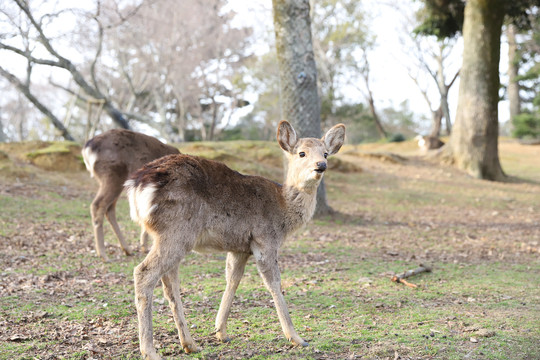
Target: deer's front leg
(171, 290)
(144, 240)
(267, 264)
(234, 271)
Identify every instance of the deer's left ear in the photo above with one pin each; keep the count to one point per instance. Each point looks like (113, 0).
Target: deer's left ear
(334, 138)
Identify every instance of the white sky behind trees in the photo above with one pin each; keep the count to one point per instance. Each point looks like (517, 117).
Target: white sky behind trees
(390, 82)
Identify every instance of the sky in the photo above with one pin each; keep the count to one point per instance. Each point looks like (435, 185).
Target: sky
(389, 80)
(390, 83)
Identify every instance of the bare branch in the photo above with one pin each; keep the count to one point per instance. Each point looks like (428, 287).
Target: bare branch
(453, 79)
(99, 47)
(28, 55)
(64, 63)
(25, 89)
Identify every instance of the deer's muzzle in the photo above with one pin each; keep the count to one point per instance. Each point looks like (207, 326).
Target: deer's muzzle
(321, 167)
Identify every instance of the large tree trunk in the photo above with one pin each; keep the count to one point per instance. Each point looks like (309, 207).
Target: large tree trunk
(513, 67)
(300, 102)
(474, 139)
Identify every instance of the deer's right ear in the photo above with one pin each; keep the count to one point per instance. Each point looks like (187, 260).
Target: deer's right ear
(286, 136)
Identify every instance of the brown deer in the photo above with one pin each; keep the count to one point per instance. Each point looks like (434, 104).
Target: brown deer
(110, 157)
(189, 203)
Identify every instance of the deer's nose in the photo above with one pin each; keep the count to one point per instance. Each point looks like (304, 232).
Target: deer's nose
(321, 166)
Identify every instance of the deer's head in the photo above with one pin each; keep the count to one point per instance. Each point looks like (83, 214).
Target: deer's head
(307, 157)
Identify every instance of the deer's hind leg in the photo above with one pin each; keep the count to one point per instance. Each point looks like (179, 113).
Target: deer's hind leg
(111, 216)
(234, 270)
(105, 198)
(146, 275)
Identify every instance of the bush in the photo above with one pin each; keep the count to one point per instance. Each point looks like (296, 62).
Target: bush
(526, 125)
(396, 138)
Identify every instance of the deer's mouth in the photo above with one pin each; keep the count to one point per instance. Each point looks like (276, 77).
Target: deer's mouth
(320, 171)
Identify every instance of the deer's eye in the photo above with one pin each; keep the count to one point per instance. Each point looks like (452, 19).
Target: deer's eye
(301, 154)
(325, 155)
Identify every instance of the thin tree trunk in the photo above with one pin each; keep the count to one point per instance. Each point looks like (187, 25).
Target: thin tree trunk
(376, 119)
(436, 117)
(474, 139)
(300, 102)
(443, 91)
(513, 67)
(3, 137)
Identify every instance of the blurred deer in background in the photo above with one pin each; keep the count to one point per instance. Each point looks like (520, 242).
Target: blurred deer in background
(189, 203)
(110, 158)
(426, 143)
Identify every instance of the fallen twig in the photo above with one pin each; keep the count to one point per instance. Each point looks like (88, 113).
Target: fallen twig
(401, 277)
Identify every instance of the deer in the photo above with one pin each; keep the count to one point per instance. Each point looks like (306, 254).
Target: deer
(110, 157)
(426, 143)
(190, 203)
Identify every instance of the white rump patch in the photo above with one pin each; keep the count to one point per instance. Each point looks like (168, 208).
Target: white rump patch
(421, 141)
(89, 158)
(140, 201)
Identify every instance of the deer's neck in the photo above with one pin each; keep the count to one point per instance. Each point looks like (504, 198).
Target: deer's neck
(300, 204)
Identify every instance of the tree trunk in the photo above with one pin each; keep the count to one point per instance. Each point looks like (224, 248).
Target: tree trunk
(3, 137)
(474, 139)
(436, 118)
(376, 119)
(513, 67)
(443, 92)
(300, 102)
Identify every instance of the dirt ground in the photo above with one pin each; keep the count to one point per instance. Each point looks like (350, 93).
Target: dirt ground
(391, 211)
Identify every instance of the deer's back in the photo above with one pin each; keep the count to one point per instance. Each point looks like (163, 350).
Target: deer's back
(123, 151)
(208, 198)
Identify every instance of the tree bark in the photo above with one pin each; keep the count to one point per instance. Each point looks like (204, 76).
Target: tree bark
(376, 119)
(436, 120)
(474, 139)
(300, 103)
(3, 137)
(443, 91)
(513, 67)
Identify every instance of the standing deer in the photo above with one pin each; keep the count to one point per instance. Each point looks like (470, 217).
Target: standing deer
(110, 158)
(189, 203)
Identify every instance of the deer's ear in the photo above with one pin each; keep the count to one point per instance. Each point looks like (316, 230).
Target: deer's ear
(286, 136)
(334, 139)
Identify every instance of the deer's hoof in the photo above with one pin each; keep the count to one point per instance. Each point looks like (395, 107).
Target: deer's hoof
(190, 348)
(301, 343)
(152, 356)
(222, 337)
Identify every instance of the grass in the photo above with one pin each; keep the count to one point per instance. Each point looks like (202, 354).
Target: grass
(481, 301)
